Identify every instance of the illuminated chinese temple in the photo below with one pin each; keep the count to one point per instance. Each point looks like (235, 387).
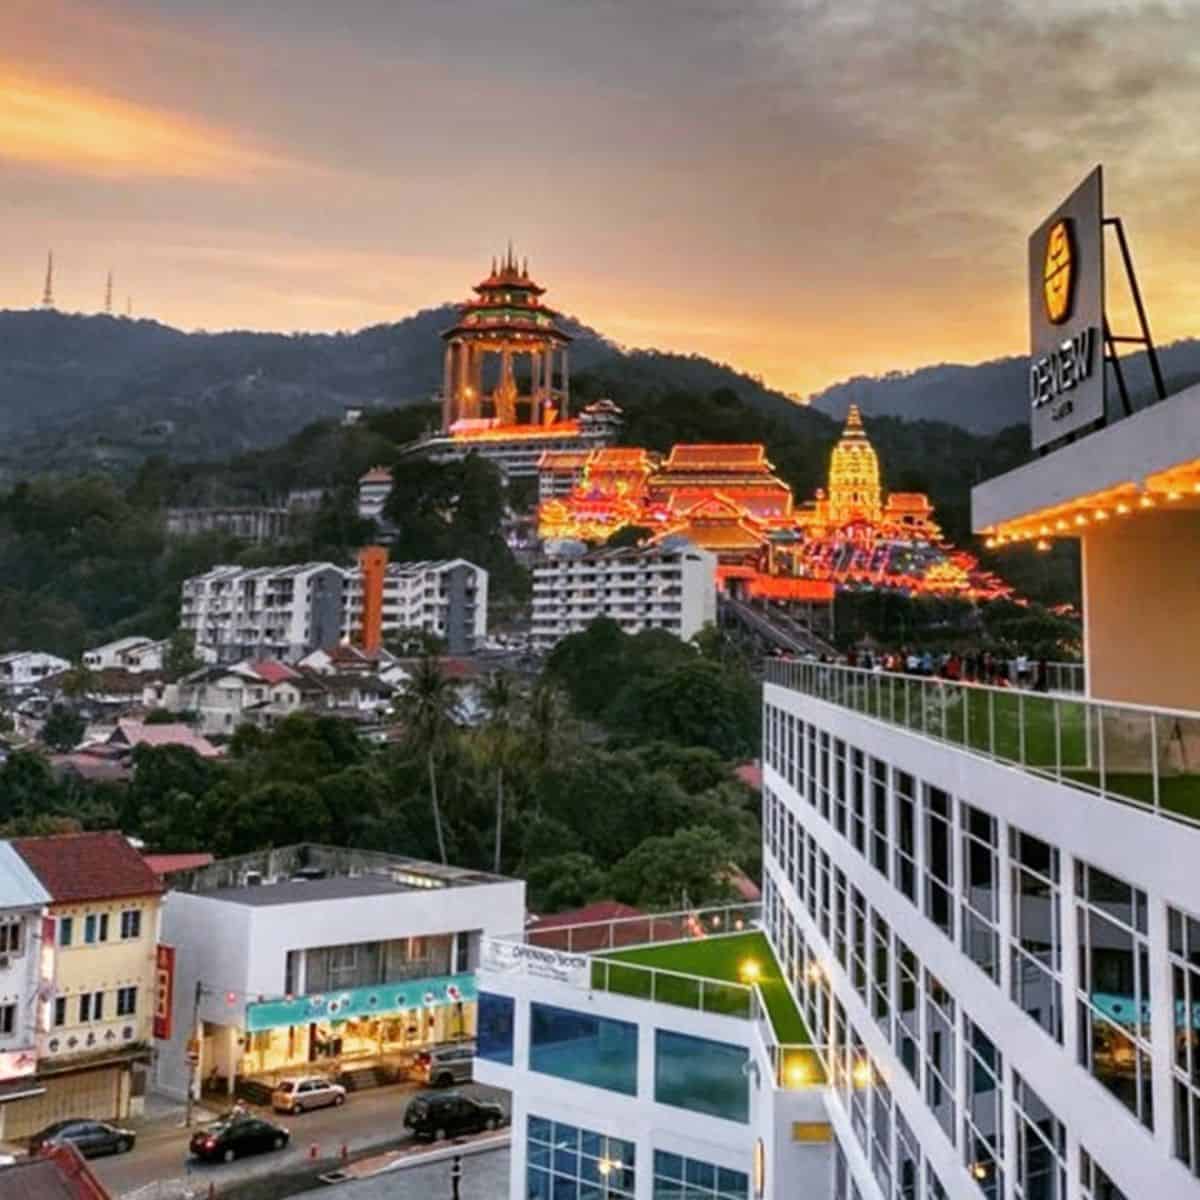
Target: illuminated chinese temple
(506, 384)
(727, 499)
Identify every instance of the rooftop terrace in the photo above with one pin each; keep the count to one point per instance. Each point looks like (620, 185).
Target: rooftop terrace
(1148, 758)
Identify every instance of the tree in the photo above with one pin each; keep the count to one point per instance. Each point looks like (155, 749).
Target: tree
(429, 708)
(688, 868)
(180, 658)
(63, 729)
(499, 703)
(565, 881)
(27, 786)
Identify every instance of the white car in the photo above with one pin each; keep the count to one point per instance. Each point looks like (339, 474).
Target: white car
(311, 1091)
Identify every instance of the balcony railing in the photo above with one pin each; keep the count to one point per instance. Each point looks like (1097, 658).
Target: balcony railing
(626, 933)
(1146, 757)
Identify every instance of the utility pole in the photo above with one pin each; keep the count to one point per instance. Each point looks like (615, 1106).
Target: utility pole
(193, 1051)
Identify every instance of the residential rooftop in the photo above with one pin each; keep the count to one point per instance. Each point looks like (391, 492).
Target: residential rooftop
(308, 872)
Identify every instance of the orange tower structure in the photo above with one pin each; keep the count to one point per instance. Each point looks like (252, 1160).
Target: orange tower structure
(372, 562)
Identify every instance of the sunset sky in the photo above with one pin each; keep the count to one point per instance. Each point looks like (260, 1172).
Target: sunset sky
(808, 189)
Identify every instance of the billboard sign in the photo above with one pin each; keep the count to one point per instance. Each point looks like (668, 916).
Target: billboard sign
(164, 990)
(518, 958)
(1066, 317)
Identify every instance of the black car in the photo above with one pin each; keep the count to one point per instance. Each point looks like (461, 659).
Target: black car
(438, 1115)
(90, 1138)
(235, 1135)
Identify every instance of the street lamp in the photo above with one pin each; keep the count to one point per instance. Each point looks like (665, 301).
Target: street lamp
(606, 1166)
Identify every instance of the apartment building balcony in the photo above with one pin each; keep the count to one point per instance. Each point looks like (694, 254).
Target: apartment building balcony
(1134, 755)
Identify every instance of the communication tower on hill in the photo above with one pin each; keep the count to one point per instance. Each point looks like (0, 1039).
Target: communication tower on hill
(48, 290)
(108, 296)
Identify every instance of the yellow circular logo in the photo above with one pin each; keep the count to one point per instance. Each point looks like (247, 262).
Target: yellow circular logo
(1058, 272)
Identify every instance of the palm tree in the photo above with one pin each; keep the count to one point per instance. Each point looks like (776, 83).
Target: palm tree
(429, 706)
(499, 700)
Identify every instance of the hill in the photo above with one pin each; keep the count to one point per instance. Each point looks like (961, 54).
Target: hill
(96, 393)
(984, 398)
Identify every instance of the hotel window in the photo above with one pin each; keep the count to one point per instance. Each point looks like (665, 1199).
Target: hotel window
(983, 1114)
(8, 1018)
(1094, 1182)
(701, 1075)
(791, 846)
(980, 926)
(881, 974)
(879, 816)
(881, 1132)
(841, 910)
(10, 937)
(906, 836)
(908, 1161)
(566, 1161)
(939, 859)
(823, 904)
(1041, 1147)
(583, 1048)
(940, 1054)
(810, 764)
(1036, 949)
(679, 1178)
(494, 1036)
(60, 1011)
(933, 1185)
(859, 1079)
(858, 801)
(1183, 948)
(131, 924)
(839, 786)
(907, 1033)
(66, 930)
(858, 965)
(824, 767)
(1114, 988)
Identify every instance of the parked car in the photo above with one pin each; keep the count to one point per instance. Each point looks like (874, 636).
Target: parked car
(312, 1091)
(445, 1065)
(438, 1115)
(236, 1135)
(90, 1138)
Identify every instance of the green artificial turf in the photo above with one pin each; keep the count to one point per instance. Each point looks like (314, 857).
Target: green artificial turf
(713, 958)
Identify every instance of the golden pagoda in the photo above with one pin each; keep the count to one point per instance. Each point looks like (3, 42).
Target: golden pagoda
(855, 493)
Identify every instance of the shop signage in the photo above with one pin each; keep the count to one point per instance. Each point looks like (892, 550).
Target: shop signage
(164, 990)
(16, 1064)
(1066, 317)
(349, 1003)
(517, 958)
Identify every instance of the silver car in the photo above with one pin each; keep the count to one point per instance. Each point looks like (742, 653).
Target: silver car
(445, 1065)
(312, 1091)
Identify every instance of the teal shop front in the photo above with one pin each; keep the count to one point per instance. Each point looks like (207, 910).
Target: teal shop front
(382, 1025)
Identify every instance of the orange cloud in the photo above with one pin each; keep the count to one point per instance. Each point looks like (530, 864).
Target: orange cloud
(72, 129)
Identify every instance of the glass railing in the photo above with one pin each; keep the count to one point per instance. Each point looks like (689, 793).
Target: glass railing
(622, 933)
(1146, 757)
(661, 986)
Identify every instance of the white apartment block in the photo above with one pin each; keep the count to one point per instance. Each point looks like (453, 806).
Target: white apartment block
(446, 598)
(21, 669)
(133, 654)
(272, 612)
(669, 585)
(285, 612)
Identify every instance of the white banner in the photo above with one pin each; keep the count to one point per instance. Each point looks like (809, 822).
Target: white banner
(517, 958)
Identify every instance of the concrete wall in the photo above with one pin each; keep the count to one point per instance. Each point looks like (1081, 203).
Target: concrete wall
(1141, 604)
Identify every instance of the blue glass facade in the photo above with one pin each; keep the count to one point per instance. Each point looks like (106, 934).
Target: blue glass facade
(585, 1049)
(679, 1178)
(494, 1028)
(564, 1162)
(700, 1075)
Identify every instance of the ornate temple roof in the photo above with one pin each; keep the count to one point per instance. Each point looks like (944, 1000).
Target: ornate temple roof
(718, 456)
(507, 304)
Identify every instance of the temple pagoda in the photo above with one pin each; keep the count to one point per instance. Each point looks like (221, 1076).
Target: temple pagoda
(506, 321)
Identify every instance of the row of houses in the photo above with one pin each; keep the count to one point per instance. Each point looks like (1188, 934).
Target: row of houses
(121, 972)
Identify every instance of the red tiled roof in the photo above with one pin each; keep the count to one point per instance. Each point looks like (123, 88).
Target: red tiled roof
(88, 866)
(58, 1173)
(601, 910)
(164, 864)
(137, 733)
(272, 671)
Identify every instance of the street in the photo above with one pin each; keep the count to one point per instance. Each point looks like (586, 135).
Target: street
(368, 1120)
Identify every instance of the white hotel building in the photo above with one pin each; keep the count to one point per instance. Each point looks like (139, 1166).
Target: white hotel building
(985, 903)
(670, 585)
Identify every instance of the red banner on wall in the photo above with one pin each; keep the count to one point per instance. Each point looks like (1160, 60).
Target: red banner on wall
(164, 991)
